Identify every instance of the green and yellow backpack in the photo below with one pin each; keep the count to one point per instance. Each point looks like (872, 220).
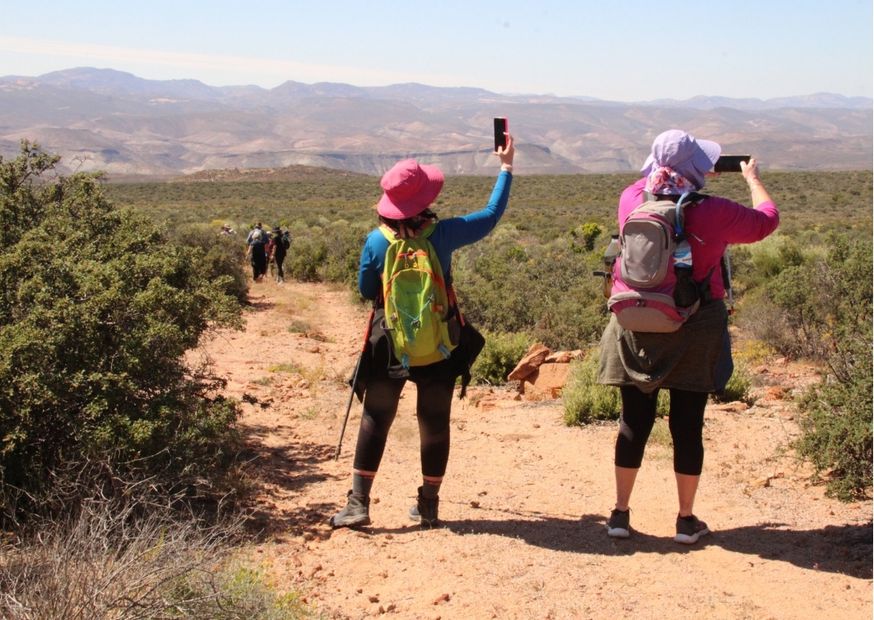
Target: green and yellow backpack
(417, 302)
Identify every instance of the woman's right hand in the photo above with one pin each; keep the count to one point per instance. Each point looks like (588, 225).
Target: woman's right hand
(506, 154)
(750, 170)
(758, 193)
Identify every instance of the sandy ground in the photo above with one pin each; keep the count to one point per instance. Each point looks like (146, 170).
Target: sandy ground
(525, 497)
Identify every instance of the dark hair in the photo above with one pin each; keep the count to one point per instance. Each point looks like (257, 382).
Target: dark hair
(414, 223)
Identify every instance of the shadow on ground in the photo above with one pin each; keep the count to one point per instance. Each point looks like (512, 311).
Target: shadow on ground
(258, 304)
(288, 468)
(844, 549)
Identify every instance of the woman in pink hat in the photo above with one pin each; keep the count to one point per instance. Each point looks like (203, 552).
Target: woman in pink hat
(409, 189)
(685, 361)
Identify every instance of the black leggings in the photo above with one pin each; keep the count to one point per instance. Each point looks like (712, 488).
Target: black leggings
(259, 261)
(686, 422)
(432, 410)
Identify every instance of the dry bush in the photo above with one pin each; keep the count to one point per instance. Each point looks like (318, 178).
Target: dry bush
(110, 563)
(108, 546)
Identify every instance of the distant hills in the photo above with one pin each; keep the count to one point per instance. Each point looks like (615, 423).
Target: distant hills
(117, 122)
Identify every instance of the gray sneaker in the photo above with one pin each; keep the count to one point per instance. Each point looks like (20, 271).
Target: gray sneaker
(356, 512)
(618, 525)
(425, 511)
(690, 529)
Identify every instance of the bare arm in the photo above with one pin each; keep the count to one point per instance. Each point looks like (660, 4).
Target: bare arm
(758, 192)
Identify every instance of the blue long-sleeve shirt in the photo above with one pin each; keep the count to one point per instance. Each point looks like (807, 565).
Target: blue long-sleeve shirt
(448, 236)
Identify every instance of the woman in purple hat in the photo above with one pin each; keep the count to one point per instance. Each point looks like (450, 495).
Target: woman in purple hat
(685, 361)
(409, 189)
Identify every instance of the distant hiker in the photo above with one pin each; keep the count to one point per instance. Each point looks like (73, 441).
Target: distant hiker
(227, 230)
(277, 249)
(257, 250)
(412, 246)
(683, 361)
(268, 249)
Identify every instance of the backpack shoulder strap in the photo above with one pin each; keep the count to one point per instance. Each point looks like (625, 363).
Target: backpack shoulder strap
(429, 230)
(387, 232)
(390, 234)
(637, 208)
(689, 199)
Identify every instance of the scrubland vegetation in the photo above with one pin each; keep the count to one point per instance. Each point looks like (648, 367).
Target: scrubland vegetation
(106, 286)
(115, 455)
(803, 292)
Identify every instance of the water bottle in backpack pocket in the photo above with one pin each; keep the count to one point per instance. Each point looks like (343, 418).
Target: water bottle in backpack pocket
(610, 256)
(686, 291)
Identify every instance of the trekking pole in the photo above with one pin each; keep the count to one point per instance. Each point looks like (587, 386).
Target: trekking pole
(354, 381)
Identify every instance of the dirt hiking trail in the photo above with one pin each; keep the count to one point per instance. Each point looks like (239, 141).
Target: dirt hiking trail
(525, 498)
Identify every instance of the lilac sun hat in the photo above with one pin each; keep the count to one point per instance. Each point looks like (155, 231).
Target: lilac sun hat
(681, 152)
(408, 189)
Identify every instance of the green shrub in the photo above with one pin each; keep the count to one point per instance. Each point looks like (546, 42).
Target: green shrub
(237, 591)
(584, 399)
(305, 257)
(738, 386)
(546, 289)
(583, 237)
(493, 285)
(499, 356)
(834, 318)
(223, 256)
(96, 311)
(762, 318)
(837, 432)
(326, 252)
(822, 310)
(752, 352)
(343, 243)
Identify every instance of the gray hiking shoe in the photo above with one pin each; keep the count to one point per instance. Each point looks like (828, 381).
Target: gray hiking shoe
(425, 511)
(356, 512)
(619, 524)
(690, 529)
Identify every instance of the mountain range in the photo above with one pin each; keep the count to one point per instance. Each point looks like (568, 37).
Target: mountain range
(126, 125)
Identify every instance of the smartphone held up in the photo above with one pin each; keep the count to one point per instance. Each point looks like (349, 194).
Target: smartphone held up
(501, 128)
(730, 163)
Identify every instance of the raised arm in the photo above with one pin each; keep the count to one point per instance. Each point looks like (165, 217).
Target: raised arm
(470, 228)
(740, 224)
(758, 192)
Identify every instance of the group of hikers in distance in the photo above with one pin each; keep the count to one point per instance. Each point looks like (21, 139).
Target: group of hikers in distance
(267, 248)
(668, 326)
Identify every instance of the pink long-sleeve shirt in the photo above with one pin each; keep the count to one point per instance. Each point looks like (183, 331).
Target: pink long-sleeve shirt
(711, 226)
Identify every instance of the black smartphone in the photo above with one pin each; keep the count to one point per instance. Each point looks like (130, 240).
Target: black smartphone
(729, 163)
(500, 132)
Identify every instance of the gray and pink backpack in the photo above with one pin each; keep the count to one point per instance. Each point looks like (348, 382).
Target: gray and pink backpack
(652, 287)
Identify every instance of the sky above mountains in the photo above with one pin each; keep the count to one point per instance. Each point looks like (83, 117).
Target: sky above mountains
(629, 50)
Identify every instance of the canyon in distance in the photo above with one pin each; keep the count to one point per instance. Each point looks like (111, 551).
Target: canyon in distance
(102, 119)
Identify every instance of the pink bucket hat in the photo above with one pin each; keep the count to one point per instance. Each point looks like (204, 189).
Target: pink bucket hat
(409, 188)
(685, 155)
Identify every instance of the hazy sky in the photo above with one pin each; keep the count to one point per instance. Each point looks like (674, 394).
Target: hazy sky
(621, 50)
